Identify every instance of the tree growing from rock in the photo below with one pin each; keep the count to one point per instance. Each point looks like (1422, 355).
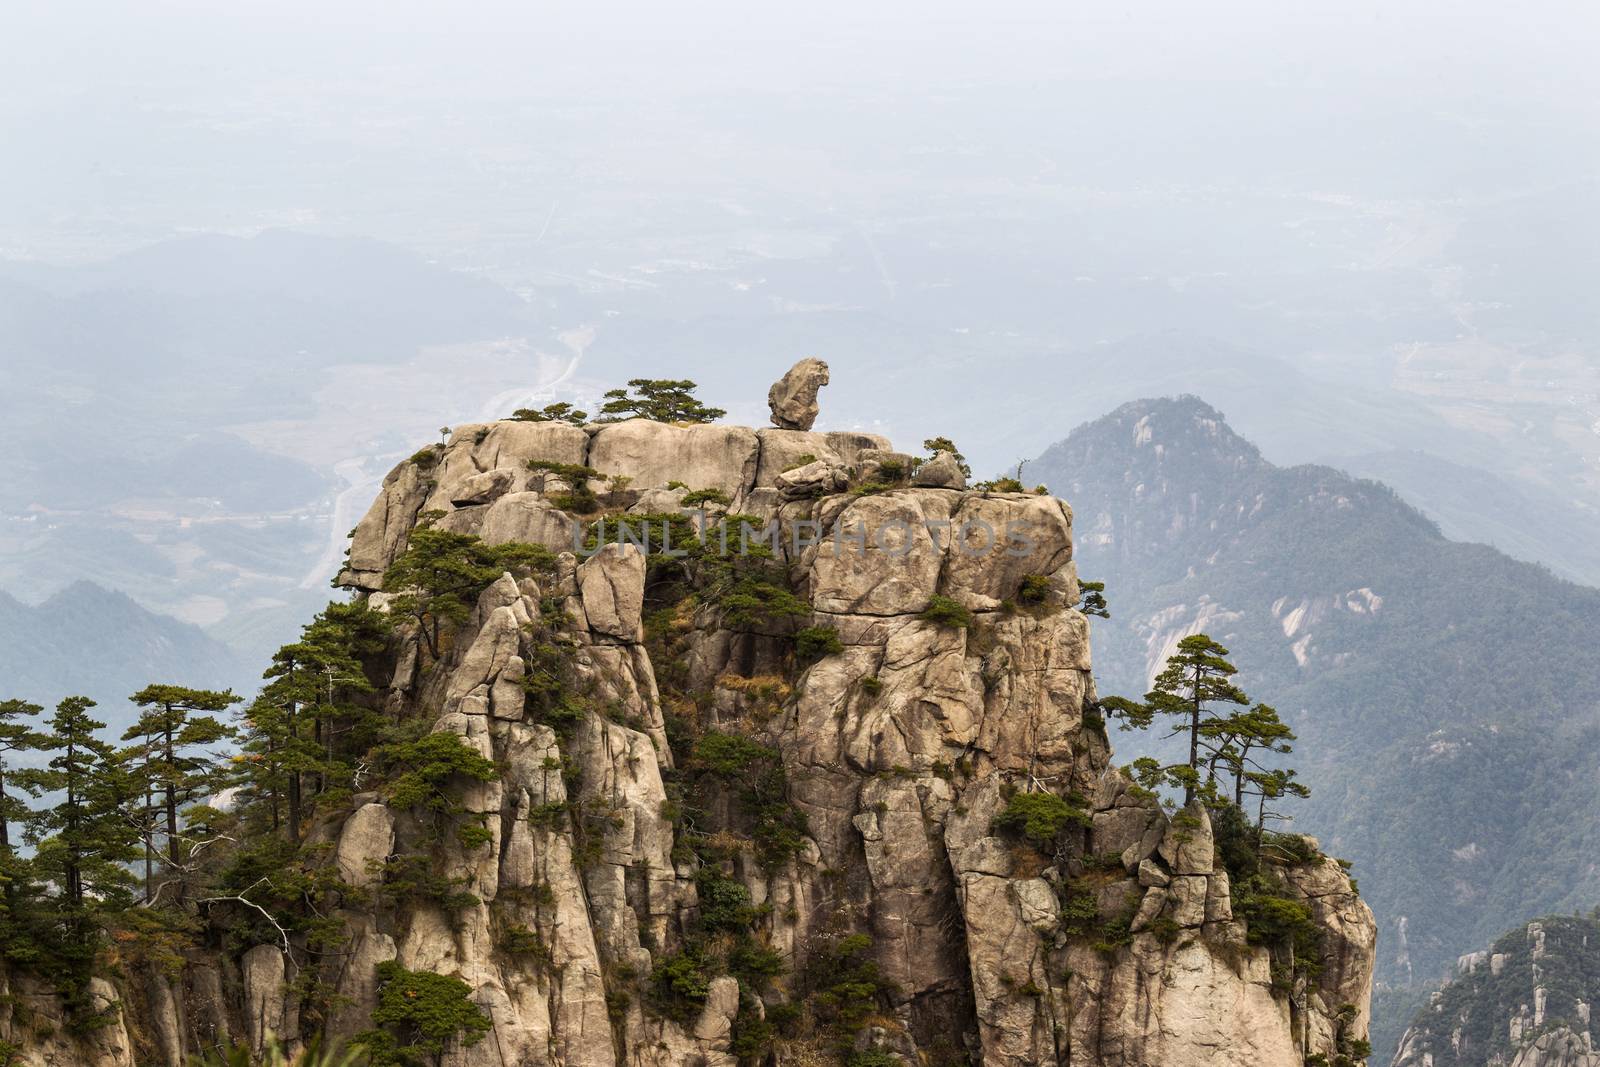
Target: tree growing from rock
(943, 444)
(279, 725)
(419, 1015)
(436, 581)
(340, 635)
(658, 399)
(309, 704)
(85, 834)
(1196, 676)
(16, 737)
(1092, 599)
(1234, 738)
(558, 412)
(1197, 679)
(1270, 785)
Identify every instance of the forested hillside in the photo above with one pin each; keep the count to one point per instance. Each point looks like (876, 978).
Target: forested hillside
(1526, 1000)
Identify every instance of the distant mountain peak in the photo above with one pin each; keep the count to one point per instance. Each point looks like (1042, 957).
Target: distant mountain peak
(88, 639)
(1156, 445)
(1183, 422)
(81, 591)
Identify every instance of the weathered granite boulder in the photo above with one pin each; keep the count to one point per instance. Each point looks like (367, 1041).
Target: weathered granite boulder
(485, 488)
(611, 583)
(817, 478)
(793, 398)
(701, 457)
(524, 517)
(943, 471)
(1188, 846)
(784, 450)
(884, 465)
(365, 842)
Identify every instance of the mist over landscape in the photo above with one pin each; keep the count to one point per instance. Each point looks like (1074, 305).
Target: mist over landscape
(253, 259)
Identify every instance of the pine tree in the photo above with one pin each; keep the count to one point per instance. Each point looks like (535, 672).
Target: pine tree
(340, 636)
(944, 444)
(19, 896)
(1092, 599)
(1195, 677)
(439, 576)
(172, 732)
(15, 738)
(282, 719)
(1234, 738)
(659, 399)
(558, 412)
(298, 727)
(1273, 785)
(84, 841)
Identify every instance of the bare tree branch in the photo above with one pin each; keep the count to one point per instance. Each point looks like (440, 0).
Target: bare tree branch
(242, 899)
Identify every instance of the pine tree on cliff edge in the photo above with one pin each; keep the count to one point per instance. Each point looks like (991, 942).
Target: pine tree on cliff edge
(1195, 677)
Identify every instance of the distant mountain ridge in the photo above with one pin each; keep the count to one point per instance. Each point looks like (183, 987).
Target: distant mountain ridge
(1447, 696)
(100, 643)
(1521, 519)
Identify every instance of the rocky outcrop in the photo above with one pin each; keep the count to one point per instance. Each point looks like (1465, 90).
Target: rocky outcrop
(34, 1024)
(883, 854)
(793, 398)
(651, 454)
(943, 471)
(1526, 1002)
(1559, 1048)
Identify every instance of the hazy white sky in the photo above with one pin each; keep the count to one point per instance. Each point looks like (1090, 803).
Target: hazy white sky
(1543, 47)
(129, 121)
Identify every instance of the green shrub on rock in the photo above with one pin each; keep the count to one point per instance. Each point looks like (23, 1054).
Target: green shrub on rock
(437, 580)
(944, 444)
(423, 770)
(815, 642)
(1040, 817)
(679, 985)
(777, 827)
(702, 497)
(579, 497)
(419, 1016)
(844, 985)
(1035, 589)
(943, 611)
(561, 412)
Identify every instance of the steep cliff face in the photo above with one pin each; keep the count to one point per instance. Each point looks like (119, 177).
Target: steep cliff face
(625, 875)
(1526, 1002)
